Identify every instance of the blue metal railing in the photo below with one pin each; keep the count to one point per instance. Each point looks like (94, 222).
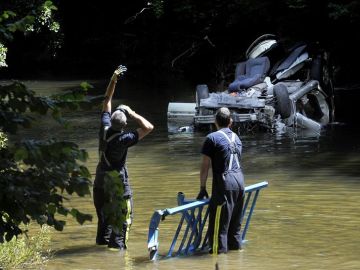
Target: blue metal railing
(194, 215)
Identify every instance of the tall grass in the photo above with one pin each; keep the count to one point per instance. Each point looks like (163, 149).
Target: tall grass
(26, 252)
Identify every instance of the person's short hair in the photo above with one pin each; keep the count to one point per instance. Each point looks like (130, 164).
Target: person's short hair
(223, 117)
(118, 120)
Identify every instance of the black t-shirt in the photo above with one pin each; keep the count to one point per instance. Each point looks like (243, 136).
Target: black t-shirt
(116, 150)
(217, 147)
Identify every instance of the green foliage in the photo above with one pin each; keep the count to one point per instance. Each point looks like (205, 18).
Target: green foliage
(115, 205)
(45, 17)
(158, 7)
(22, 25)
(348, 11)
(16, 99)
(26, 253)
(3, 140)
(26, 16)
(3, 51)
(35, 174)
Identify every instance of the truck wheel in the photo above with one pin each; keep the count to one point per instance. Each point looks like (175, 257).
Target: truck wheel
(282, 101)
(322, 72)
(202, 91)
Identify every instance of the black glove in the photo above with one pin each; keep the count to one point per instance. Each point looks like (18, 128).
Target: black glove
(202, 194)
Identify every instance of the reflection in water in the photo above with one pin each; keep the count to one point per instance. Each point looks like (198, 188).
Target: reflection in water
(308, 217)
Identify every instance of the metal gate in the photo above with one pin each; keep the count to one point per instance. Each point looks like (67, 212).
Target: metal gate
(191, 233)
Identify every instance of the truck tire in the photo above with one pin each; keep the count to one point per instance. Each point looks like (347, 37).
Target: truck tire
(282, 101)
(202, 91)
(322, 72)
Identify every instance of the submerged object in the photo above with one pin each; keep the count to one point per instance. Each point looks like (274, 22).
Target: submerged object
(180, 116)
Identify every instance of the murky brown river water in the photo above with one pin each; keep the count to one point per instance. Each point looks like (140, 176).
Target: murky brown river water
(308, 217)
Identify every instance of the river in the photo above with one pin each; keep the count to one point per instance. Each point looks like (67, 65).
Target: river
(308, 217)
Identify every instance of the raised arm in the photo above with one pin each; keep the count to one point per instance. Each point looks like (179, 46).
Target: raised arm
(145, 126)
(111, 88)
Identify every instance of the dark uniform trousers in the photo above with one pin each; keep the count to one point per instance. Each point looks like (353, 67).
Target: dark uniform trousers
(225, 215)
(106, 234)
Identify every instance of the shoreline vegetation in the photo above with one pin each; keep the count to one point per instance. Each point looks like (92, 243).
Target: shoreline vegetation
(27, 252)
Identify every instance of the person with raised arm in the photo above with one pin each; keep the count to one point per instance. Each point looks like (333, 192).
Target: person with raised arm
(114, 142)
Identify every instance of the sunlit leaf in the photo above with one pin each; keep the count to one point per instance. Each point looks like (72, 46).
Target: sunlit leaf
(86, 86)
(85, 172)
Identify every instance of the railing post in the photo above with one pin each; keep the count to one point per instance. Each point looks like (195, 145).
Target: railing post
(250, 214)
(153, 243)
(176, 235)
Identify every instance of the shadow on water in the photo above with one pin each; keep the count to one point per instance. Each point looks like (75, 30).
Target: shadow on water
(93, 250)
(77, 250)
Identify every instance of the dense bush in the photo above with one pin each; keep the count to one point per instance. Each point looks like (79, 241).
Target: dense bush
(35, 175)
(26, 252)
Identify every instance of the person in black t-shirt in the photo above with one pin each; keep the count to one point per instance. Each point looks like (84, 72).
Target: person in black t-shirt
(222, 151)
(113, 146)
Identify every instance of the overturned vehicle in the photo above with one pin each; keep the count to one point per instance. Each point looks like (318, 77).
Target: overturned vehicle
(275, 88)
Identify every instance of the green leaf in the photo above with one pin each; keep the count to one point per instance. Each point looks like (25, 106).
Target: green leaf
(50, 5)
(82, 155)
(56, 114)
(59, 225)
(63, 211)
(85, 172)
(51, 209)
(86, 86)
(41, 219)
(80, 217)
(21, 154)
(7, 14)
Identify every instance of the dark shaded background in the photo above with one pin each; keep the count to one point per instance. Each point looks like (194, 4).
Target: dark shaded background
(96, 36)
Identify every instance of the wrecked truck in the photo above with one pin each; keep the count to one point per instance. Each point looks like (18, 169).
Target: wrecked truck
(275, 88)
